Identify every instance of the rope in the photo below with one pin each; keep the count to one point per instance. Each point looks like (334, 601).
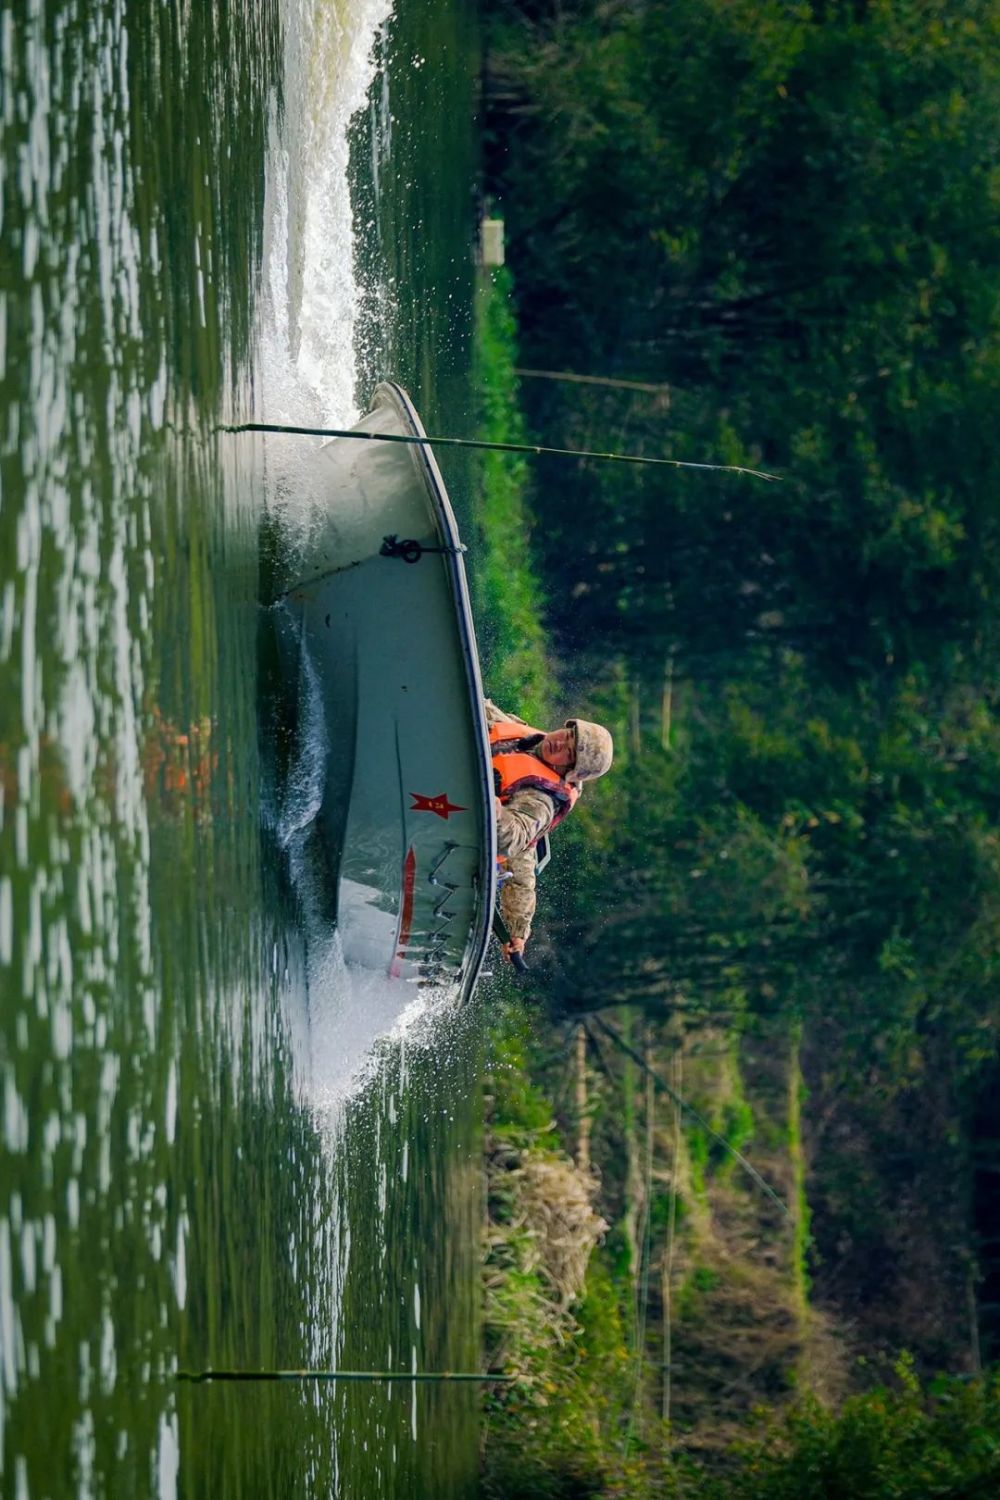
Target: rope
(647, 1234)
(747, 1166)
(668, 1273)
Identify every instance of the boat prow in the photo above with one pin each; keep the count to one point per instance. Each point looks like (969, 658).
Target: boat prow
(383, 624)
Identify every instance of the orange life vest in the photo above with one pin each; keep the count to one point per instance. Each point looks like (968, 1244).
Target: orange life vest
(514, 769)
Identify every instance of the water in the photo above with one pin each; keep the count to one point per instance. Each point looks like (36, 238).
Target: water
(217, 1145)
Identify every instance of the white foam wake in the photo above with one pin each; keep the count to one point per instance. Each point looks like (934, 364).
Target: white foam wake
(355, 1014)
(310, 327)
(312, 299)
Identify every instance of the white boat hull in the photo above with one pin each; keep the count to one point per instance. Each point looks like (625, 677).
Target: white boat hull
(406, 821)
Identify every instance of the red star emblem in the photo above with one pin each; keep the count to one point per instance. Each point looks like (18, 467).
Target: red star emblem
(439, 805)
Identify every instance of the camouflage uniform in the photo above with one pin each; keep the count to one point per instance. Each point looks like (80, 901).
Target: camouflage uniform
(521, 821)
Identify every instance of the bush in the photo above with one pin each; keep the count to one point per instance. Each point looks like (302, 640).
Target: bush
(899, 1443)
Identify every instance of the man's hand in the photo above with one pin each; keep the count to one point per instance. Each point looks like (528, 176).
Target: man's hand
(516, 945)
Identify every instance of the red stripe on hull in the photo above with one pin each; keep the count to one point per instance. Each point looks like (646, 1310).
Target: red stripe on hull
(405, 913)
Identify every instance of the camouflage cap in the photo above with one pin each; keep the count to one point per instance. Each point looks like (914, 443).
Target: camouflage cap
(594, 750)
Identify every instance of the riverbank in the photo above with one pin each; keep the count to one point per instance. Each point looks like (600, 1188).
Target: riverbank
(619, 1231)
(541, 1226)
(650, 1291)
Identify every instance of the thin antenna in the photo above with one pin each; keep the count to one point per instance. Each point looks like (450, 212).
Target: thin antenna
(453, 442)
(202, 1377)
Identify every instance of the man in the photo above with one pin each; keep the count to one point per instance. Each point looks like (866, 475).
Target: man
(537, 777)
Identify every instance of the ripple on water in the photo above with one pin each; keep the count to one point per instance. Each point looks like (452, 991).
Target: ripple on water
(149, 1073)
(109, 531)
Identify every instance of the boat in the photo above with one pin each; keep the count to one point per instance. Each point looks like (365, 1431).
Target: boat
(379, 623)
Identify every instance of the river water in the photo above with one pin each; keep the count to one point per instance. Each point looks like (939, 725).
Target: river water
(218, 1147)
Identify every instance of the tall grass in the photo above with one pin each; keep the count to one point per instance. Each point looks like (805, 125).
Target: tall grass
(558, 1326)
(508, 594)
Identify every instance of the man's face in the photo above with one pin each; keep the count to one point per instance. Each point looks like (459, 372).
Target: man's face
(558, 749)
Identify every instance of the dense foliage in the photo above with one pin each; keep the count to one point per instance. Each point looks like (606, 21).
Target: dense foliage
(771, 229)
(789, 214)
(891, 1444)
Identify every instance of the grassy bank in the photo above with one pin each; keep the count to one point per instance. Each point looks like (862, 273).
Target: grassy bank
(508, 594)
(621, 1238)
(604, 1262)
(646, 1293)
(553, 1314)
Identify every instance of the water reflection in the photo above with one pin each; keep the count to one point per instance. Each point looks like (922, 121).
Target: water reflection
(181, 1180)
(137, 1014)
